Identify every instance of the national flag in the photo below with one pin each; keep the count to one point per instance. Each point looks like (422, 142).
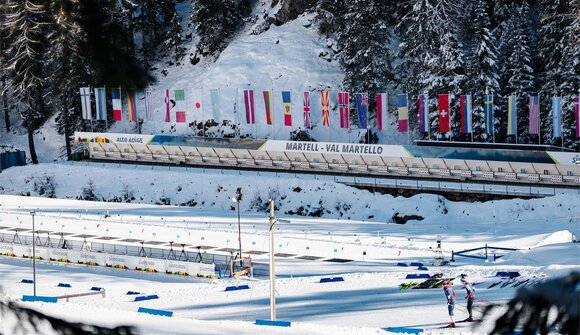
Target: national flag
(466, 119)
(197, 104)
(250, 107)
(325, 102)
(577, 115)
(180, 106)
(423, 113)
(557, 116)
(215, 104)
(488, 111)
(116, 98)
(101, 103)
(287, 103)
(343, 107)
(403, 107)
(149, 103)
(382, 105)
(534, 115)
(131, 106)
(268, 107)
(86, 103)
(307, 110)
(512, 116)
(167, 102)
(443, 111)
(362, 109)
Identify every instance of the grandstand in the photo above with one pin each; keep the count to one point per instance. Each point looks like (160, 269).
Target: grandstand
(505, 165)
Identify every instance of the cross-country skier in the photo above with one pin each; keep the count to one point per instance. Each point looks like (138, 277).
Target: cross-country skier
(470, 296)
(450, 295)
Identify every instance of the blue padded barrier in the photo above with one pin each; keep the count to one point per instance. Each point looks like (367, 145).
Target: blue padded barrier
(132, 293)
(402, 264)
(32, 298)
(273, 323)
(155, 311)
(405, 330)
(94, 288)
(331, 280)
(416, 264)
(27, 281)
(146, 297)
(237, 288)
(64, 285)
(422, 268)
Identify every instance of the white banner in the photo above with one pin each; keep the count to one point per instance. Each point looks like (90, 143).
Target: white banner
(566, 158)
(337, 148)
(113, 138)
(6, 249)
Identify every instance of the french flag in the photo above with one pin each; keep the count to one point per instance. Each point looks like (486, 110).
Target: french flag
(116, 98)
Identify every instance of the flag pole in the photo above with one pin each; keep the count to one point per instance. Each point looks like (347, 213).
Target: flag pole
(367, 119)
(561, 120)
(106, 118)
(254, 116)
(408, 122)
(427, 116)
(236, 116)
(492, 120)
(202, 114)
(272, 112)
(330, 119)
(516, 116)
(539, 120)
(449, 111)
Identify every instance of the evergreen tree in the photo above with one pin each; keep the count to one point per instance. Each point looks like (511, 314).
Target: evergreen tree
(570, 71)
(67, 65)
(26, 23)
(4, 43)
(109, 50)
(174, 38)
(517, 74)
(445, 74)
(433, 58)
(481, 65)
(559, 52)
(330, 14)
(365, 57)
(419, 32)
(216, 21)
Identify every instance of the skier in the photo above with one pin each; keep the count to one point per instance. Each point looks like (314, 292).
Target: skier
(470, 296)
(450, 295)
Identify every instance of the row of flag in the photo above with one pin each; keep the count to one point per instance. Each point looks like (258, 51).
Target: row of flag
(177, 102)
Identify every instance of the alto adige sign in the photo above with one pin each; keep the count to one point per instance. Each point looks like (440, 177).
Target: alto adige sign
(337, 148)
(113, 138)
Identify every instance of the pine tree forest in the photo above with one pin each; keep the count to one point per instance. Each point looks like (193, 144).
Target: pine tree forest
(50, 48)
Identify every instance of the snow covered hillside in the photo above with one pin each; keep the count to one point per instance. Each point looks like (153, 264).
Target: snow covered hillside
(304, 196)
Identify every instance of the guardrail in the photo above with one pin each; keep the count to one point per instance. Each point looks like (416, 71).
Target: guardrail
(346, 169)
(68, 296)
(463, 253)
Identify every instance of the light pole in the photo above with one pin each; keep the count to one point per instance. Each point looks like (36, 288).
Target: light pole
(237, 200)
(272, 267)
(33, 253)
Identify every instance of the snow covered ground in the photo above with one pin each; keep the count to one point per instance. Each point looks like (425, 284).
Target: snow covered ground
(368, 302)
